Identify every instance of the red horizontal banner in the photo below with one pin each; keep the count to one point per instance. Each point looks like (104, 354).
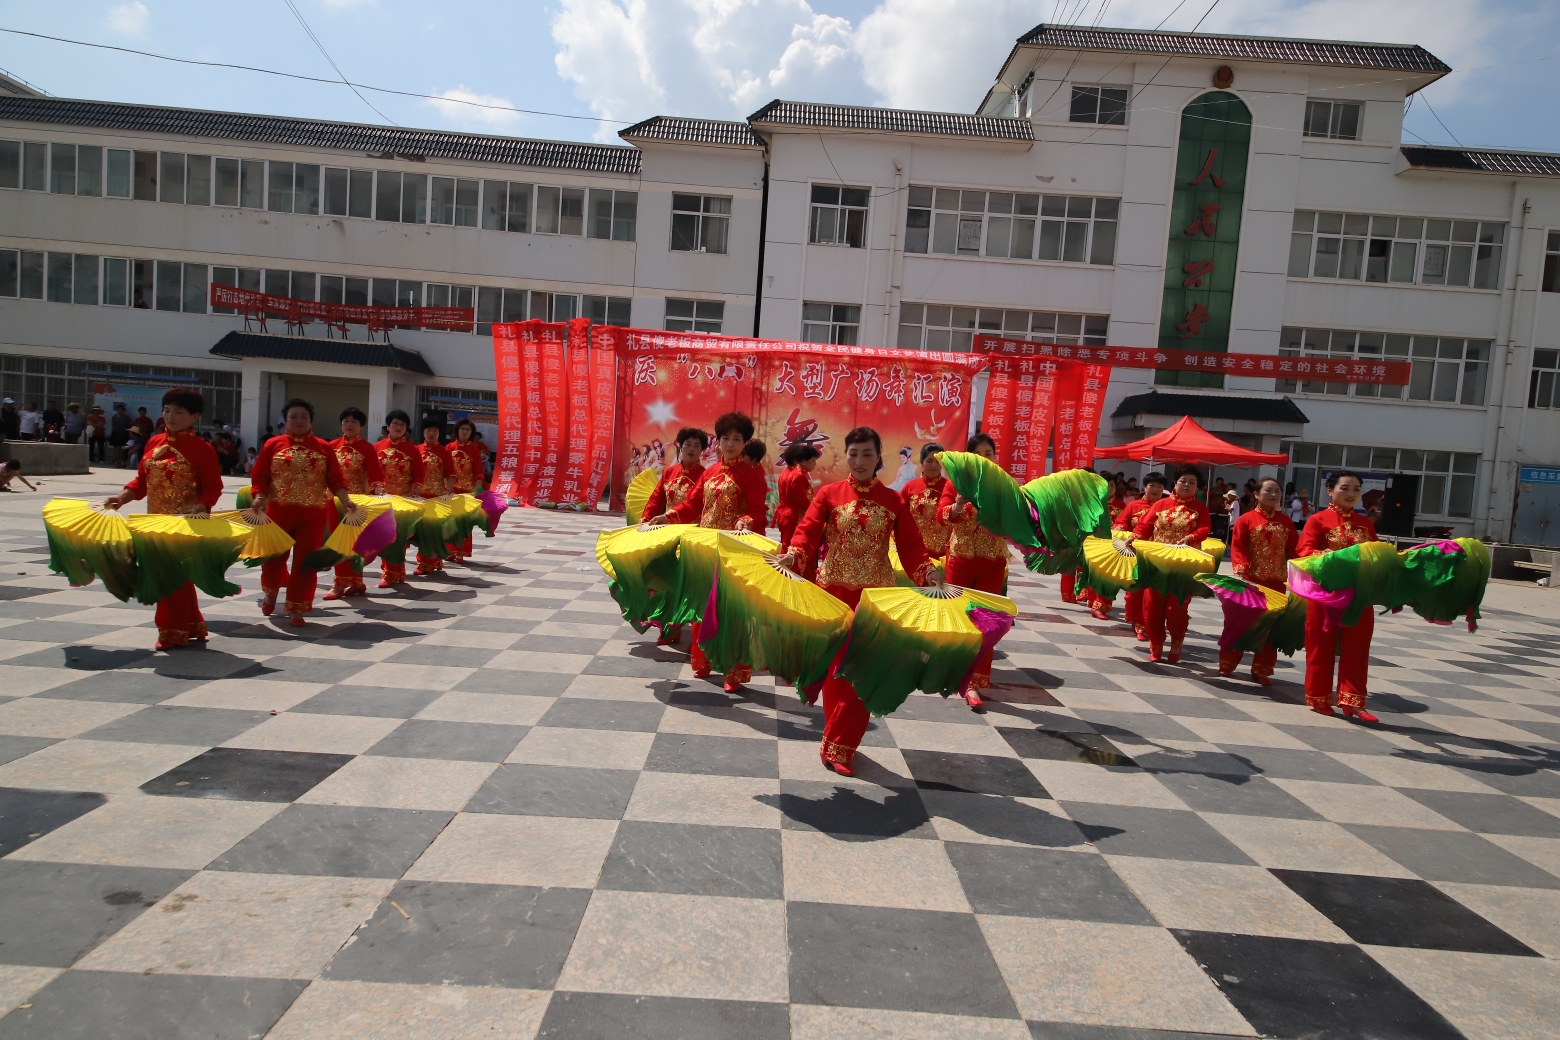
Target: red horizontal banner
(1333, 370)
(633, 341)
(450, 319)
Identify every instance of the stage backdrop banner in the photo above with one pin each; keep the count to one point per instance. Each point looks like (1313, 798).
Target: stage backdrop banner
(1337, 370)
(603, 406)
(794, 392)
(508, 368)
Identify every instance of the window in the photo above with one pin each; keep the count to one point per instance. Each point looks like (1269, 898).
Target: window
(347, 193)
(839, 217)
(453, 202)
(559, 211)
(1069, 228)
(59, 275)
(238, 277)
(1336, 119)
(1406, 250)
(1541, 385)
(116, 282)
(614, 215)
(35, 166)
(197, 191)
(506, 206)
(168, 292)
(71, 277)
(294, 188)
(1447, 480)
(1551, 282)
(10, 164)
(608, 310)
(414, 198)
(931, 326)
(1443, 370)
(30, 280)
(10, 270)
(697, 315)
(118, 181)
(700, 223)
(195, 294)
(1106, 105)
(830, 323)
(170, 184)
(62, 169)
(143, 284)
(146, 176)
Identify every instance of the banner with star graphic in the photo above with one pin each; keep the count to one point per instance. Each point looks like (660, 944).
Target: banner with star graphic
(794, 392)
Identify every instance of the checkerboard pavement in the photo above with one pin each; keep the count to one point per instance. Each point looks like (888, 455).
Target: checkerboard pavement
(483, 806)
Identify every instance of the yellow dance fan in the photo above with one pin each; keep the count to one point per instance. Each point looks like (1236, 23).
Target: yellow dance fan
(1214, 548)
(362, 539)
(764, 615)
(642, 563)
(638, 493)
(1113, 564)
(171, 550)
(920, 639)
(265, 540)
(86, 542)
(697, 554)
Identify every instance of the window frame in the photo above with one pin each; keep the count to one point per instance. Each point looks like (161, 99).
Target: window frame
(951, 328)
(1336, 109)
(1454, 474)
(1433, 360)
(839, 320)
(701, 223)
(996, 222)
(703, 316)
(1437, 248)
(1096, 92)
(846, 215)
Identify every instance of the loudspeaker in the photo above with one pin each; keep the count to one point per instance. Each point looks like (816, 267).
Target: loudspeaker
(1398, 505)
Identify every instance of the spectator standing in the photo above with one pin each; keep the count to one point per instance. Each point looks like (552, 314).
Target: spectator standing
(97, 434)
(119, 432)
(75, 423)
(143, 424)
(31, 421)
(10, 421)
(52, 417)
(1300, 507)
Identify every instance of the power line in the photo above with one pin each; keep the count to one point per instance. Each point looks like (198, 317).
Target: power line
(1438, 120)
(299, 15)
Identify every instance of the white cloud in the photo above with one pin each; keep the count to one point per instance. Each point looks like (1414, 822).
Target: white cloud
(464, 108)
(129, 19)
(936, 55)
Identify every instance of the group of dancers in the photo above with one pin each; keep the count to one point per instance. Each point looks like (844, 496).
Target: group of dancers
(304, 484)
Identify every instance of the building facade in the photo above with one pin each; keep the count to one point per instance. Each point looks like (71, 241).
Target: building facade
(1131, 188)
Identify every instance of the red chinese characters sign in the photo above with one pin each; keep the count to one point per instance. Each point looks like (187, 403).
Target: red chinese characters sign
(555, 406)
(1268, 366)
(295, 312)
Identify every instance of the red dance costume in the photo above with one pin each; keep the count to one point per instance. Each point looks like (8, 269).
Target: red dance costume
(977, 559)
(924, 497)
(796, 492)
(1334, 528)
(360, 469)
(855, 521)
(402, 467)
(677, 480)
(1261, 546)
(1170, 521)
(466, 468)
(298, 476)
(177, 472)
(726, 494)
(1134, 600)
(436, 468)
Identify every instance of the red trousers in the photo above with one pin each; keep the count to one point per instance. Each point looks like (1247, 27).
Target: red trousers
(701, 664)
(1068, 595)
(845, 718)
(1162, 613)
(1134, 608)
(459, 550)
(1350, 645)
(179, 618)
(983, 574)
(349, 579)
(307, 525)
(428, 564)
(1263, 661)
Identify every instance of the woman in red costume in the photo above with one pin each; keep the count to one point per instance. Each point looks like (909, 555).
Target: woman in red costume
(729, 496)
(796, 489)
(1262, 543)
(438, 479)
(1099, 605)
(676, 481)
(402, 467)
(1337, 527)
(977, 559)
(465, 453)
(1179, 519)
(360, 469)
(924, 497)
(1153, 491)
(293, 478)
(854, 519)
(179, 473)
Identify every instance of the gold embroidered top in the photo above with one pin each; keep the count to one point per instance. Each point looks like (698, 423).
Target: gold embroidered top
(401, 465)
(1267, 542)
(172, 485)
(923, 499)
(466, 470)
(299, 475)
(354, 468)
(857, 537)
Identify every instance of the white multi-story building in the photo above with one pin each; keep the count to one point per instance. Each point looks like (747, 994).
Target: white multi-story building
(1073, 206)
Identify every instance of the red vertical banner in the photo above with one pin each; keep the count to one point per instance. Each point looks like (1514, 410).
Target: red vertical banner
(1001, 416)
(533, 433)
(1080, 397)
(554, 410)
(603, 397)
(509, 373)
(573, 464)
(1037, 391)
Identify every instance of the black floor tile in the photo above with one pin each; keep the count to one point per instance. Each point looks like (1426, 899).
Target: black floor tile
(455, 741)
(1136, 724)
(13, 747)
(1344, 740)
(1237, 795)
(1539, 778)
(88, 658)
(371, 701)
(975, 774)
(1316, 990)
(695, 860)
(1453, 856)
(1078, 1031)
(904, 960)
(53, 913)
(503, 680)
(591, 713)
(922, 707)
(1014, 882)
(336, 840)
(531, 790)
(1131, 830)
(247, 775)
(1061, 746)
(303, 669)
(178, 724)
(721, 756)
(1379, 911)
(127, 687)
(1005, 818)
(634, 667)
(1213, 763)
(608, 1016)
(1195, 707)
(514, 936)
(443, 656)
(27, 815)
(1489, 813)
(1289, 764)
(1053, 681)
(851, 811)
(586, 646)
(91, 1005)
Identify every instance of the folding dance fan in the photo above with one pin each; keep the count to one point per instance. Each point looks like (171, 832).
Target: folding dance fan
(266, 540)
(928, 639)
(86, 542)
(638, 493)
(432, 531)
(761, 614)
(999, 506)
(374, 531)
(1437, 579)
(244, 497)
(493, 507)
(171, 550)
(1215, 548)
(1067, 507)
(642, 563)
(1255, 614)
(1111, 564)
(1462, 594)
(698, 550)
(466, 515)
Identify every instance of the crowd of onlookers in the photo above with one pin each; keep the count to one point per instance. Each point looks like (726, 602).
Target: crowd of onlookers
(1225, 501)
(113, 439)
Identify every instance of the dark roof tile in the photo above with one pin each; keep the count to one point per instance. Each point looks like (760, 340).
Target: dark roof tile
(1476, 160)
(330, 351)
(1212, 406)
(893, 120)
(318, 133)
(693, 131)
(1396, 56)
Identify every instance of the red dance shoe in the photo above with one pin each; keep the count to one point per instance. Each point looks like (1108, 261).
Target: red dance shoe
(1358, 713)
(731, 685)
(1225, 673)
(973, 699)
(268, 604)
(1324, 709)
(297, 620)
(702, 673)
(1156, 653)
(1175, 653)
(1099, 612)
(1141, 633)
(839, 767)
(1261, 680)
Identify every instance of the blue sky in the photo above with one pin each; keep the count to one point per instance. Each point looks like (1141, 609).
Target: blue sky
(615, 61)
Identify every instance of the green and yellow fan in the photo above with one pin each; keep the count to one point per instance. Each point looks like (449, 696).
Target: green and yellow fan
(343, 541)
(697, 553)
(429, 534)
(265, 541)
(638, 493)
(761, 614)
(1462, 593)
(171, 550)
(642, 563)
(87, 542)
(1112, 565)
(1215, 548)
(244, 497)
(1067, 507)
(466, 515)
(902, 640)
(1255, 614)
(999, 504)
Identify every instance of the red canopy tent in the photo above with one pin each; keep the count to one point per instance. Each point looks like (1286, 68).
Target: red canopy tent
(1189, 443)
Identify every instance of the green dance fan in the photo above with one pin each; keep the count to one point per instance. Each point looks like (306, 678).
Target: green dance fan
(1255, 614)
(171, 550)
(642, 563)
(1112, 565)
(999, 506)
(86, 542)
(1067, 507)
